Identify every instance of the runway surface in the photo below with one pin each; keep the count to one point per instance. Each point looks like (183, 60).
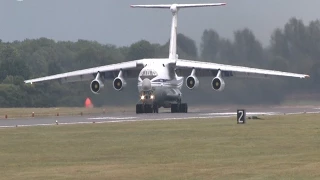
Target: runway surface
(131, 116)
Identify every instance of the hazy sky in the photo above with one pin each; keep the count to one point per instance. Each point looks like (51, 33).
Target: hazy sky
(114, 22)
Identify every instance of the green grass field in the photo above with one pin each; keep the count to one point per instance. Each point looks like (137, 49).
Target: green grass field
(279, 147)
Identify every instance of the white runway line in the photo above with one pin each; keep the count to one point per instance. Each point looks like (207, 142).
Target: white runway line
(114, 121)
(119, 118)
(315, 112)
(247, 113)
(162, 119)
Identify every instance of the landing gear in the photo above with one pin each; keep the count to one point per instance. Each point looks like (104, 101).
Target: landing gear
(155, 108)
(147, 108)
(179, 108)
(148, 103)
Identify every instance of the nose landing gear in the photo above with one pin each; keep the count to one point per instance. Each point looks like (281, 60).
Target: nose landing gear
(147, 104)
(147, 108)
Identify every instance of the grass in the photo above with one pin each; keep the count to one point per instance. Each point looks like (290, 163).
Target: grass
(278, 147)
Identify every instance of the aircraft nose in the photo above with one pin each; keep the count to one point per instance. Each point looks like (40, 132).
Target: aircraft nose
(146, 84)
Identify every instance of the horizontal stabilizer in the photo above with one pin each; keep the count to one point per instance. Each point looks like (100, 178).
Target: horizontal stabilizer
(152, 6)
(178, 5)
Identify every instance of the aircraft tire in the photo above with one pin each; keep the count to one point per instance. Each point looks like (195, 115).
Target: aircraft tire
(139, 109)
(148, 108)
(174, 108)
(183, 108)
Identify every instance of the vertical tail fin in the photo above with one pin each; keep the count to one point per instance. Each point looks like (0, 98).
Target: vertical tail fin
(174, 9)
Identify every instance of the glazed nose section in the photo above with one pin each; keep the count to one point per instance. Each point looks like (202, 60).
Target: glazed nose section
(146, 84)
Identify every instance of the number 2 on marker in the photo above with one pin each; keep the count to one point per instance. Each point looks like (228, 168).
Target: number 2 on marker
(240, 117)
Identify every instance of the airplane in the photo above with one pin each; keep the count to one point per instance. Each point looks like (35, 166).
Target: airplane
(160, 80)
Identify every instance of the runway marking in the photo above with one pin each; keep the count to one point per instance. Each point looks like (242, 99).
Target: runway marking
(234, 113)
(113, 121)
(314, 112)
(161, 119)
(101, 118)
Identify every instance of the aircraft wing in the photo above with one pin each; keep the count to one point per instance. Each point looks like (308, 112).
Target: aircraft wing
(130, 69)
(184, 68)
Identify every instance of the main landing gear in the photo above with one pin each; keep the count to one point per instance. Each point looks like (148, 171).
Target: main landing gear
(147, 108)
(153, 108)
(179, 108)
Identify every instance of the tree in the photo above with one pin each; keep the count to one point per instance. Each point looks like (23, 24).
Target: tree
(140, 50)
(186, 45)
(248, 50)
(226, 53)
(279, 44)
(11, 63)
(297, 37)
(210, 45)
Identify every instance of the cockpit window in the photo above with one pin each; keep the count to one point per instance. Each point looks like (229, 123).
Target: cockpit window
(149, 73)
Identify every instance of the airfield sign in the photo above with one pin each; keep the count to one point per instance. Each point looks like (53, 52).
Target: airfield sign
(241, 116)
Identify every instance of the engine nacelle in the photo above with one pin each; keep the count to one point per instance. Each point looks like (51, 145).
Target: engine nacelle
(218, 84)
(119, 83)
(192, 82)
(96, 86)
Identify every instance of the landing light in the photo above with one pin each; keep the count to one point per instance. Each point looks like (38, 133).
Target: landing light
(142, 97)
(152, 97)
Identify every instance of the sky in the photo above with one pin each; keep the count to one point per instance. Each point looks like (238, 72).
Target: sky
(115, 22)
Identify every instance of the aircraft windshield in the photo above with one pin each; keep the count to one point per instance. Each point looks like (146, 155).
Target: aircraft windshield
(149, 73)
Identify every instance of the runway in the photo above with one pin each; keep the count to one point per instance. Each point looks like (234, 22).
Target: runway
(162, 115)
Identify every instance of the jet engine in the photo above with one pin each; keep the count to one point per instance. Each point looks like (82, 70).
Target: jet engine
(192, 82)
(218, 84)
(96, 85)
(119, 83)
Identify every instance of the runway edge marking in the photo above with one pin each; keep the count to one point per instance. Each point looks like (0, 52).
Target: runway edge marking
(113, 121)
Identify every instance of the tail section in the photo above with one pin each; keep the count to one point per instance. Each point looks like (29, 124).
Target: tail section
(174, 9)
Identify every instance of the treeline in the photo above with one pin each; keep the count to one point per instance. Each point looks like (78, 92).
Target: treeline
(294, 47)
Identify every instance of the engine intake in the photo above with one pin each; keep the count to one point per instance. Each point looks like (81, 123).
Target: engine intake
(218, 84)
(96, 86)
(119, 83)
(192, 82)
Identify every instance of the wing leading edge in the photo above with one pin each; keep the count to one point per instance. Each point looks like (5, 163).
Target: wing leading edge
(88, 74)
(132, 68)
(247, 71)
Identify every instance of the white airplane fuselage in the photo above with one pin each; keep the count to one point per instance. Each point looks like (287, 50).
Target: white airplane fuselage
(158, 83)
